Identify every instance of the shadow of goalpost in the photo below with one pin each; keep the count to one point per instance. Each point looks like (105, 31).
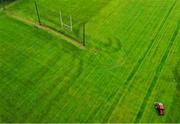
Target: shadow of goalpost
(65, 25)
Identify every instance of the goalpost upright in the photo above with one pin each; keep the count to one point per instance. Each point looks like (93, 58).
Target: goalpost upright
(84, 34)
(37, 12)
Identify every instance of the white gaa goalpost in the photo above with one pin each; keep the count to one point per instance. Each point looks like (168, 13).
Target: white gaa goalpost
(69, 25)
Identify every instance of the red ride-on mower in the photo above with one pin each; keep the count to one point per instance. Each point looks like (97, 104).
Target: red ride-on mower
(160, 108)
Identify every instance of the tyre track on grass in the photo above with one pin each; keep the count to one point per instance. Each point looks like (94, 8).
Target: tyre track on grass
(37, 77)
(118, 95)
(157, 75)
(110, 96)
(65, 88)
(48, 96)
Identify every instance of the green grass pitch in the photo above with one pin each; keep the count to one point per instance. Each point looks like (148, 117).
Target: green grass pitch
(131, 60)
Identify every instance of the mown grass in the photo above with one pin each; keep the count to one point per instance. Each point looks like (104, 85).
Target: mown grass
(49, 11)
(40, 71)
(128, 64)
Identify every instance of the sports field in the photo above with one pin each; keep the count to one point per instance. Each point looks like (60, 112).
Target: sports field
(131, 60)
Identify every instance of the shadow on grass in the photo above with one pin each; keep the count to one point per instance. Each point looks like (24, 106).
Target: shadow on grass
(4, 3)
